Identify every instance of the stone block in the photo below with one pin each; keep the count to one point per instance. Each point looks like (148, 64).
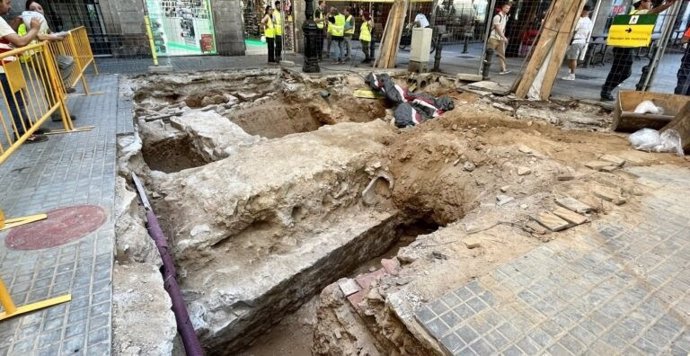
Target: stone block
(348, 287)
(613, 159)
(609, 195)
(571, 216)
(574, 205)
(472, 242)
(550, 221)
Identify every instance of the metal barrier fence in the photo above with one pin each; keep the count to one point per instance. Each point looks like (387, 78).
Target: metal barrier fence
(31, 92)
(76, 51)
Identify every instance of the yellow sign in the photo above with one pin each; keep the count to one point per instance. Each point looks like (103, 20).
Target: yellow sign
(631, 31)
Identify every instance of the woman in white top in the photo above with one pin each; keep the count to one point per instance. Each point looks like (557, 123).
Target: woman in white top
(582, 31)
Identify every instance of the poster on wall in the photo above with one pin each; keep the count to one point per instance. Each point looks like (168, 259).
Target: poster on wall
(182, 27)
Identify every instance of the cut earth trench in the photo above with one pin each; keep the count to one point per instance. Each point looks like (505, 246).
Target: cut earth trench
(272, 185)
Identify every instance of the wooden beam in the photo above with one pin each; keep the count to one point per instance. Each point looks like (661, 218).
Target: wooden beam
(681, 123)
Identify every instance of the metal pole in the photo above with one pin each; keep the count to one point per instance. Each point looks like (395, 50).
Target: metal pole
(154, 55)
(648, 75)
(594, 16)
(485, 64)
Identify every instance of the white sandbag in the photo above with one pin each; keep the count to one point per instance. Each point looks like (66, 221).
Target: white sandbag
(648, 107)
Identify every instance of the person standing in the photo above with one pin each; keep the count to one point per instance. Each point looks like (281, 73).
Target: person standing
(349, 32)
(278, 28)
(337, 31)
(498, 40)
(582, 31)
(320, 19)
(269, 33)
(365, 35)
(683, 84)
(8, 41)
(621, 69)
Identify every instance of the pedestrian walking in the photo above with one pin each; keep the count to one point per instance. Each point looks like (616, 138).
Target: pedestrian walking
(683, 84)
(269, 33)
(582, 31)
(349, 32)
(498, 40)
(365, 35)
(621, 69)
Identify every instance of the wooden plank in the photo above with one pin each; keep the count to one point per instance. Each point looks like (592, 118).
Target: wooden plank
(631, 122)
(574, 205)
(570, 216)
(681, 123)
(551, 222)
(560, 47)
(542, 48)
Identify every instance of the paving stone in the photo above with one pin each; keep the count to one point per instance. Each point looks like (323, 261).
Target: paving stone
(570, 216)
(574, 205)
(452, 342)
(609, 195)
(552, 222)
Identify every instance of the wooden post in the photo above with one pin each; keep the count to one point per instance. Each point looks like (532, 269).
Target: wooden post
(390, 40)
(549, 52)
(681, 123)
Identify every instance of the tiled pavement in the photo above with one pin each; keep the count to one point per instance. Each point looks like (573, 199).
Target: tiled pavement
(71, 169)
(623, 290)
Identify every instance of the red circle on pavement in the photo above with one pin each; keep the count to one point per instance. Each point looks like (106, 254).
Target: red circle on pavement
(62, 226)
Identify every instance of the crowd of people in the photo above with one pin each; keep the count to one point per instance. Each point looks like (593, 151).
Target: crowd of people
(336, 31)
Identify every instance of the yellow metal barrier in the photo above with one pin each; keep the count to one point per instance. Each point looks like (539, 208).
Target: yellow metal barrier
(12, 309)
(76, 49)
(31, 93)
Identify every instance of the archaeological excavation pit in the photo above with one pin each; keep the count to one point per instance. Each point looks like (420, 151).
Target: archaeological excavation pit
(271, 186)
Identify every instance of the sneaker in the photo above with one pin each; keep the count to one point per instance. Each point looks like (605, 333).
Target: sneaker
(71, 90)
(36, 138)
(42, 131)
(58, 118)
(504, 72)
(569, 77)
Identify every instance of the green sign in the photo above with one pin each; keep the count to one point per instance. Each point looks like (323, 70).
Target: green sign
(631, 31)
(182, 27)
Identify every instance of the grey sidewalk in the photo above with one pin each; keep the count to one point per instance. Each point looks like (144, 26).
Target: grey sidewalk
(67, 170)
(625, 290)
(586, 86)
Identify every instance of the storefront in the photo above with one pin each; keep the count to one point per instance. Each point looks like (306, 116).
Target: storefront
(182, 27)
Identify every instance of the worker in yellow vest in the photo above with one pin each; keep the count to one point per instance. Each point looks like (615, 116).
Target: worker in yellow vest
(349, 32)
(320, 19)
(365, 35)
(278, 28)
(269, 33)
(337, 29)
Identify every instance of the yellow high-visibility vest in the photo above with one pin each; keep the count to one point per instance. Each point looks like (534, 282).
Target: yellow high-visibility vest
(351, 30)
(338, 27)
(269, 31)
(364, 32)
(320, 24)
(278, 25)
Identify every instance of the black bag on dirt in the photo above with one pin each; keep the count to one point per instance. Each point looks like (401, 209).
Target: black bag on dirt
(406, 116)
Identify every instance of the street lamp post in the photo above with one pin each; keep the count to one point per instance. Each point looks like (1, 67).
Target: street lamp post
(311, 39)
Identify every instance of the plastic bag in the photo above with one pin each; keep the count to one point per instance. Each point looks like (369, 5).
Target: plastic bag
(648, 107)
(651, 141)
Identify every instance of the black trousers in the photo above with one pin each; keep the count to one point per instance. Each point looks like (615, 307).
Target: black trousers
(621, 69)
(683, 85)
(270, 41)
(15, 108)
(365, 49)
(372, 49)
(279, 48)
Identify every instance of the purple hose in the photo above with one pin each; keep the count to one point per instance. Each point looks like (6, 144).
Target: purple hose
(184, 325)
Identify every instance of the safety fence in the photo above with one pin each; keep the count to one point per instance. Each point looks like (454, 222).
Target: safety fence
(74, 56)
(32, 92)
